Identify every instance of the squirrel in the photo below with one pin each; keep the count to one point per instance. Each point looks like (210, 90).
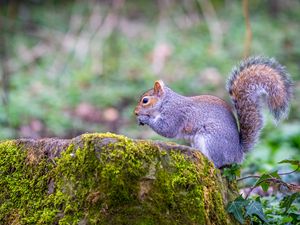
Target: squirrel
(221, 132)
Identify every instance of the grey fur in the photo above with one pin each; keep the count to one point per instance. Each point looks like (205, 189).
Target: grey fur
(214, 123)
(272, 63)
(253, 91)
(209, 124)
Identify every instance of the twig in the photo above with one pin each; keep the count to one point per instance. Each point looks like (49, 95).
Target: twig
(257, 176)
(293, 171)
(213, 24)
(247, 177)
(292, 187)
(5, 75)
(248, 37)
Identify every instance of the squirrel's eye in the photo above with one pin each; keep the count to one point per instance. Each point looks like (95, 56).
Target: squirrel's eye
(145, 100)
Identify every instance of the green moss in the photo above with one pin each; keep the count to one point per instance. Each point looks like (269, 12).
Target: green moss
(108, 179)
(23, 186)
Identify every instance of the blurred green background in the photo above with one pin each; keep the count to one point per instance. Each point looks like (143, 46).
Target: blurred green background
(70, 67)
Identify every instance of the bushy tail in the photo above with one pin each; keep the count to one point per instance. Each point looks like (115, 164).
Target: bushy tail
(253, 78)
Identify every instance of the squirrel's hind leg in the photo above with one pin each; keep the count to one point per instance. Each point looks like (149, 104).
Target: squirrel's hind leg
(220, 150)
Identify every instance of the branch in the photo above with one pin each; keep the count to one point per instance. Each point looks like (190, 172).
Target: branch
(247, 177)
(291, 187)
(248, 37)
(287, 173)
(258, 176)
(213, 24)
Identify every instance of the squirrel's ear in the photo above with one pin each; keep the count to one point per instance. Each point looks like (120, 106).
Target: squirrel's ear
(159, 87)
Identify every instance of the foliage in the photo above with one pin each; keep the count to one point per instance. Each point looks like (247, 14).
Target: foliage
(244, 209)
(264, 180)
(276, 210)
(236, 207)
(232, 172)
(275, 144)
(279, 209)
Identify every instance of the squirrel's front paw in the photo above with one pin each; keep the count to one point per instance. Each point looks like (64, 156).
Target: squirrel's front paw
(143, 119)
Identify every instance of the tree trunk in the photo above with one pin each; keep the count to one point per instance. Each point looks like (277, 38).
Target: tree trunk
(109, 179)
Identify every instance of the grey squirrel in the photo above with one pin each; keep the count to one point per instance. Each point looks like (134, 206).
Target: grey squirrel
(208, 122)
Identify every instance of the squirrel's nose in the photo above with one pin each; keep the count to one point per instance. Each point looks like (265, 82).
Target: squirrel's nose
(136, 111)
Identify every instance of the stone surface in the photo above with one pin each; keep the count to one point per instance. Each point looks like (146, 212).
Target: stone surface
(109, 179)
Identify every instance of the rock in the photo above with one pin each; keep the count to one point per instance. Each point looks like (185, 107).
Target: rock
(109, 179)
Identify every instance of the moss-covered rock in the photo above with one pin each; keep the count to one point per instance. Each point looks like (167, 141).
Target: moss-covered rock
(108, 179)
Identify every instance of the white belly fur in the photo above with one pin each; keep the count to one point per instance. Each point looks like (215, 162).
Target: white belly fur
(199, 143)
